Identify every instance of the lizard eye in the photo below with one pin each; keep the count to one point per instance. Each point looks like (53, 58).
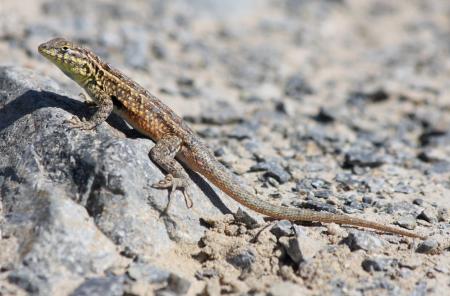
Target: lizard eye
(65, 48)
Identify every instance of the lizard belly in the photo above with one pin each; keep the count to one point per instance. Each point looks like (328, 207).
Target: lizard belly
(142, 124)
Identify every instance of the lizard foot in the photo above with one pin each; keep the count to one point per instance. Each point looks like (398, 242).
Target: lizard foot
(83, 124)
(172, 183)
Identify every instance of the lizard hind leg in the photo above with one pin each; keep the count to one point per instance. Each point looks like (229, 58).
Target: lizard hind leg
(163, 154)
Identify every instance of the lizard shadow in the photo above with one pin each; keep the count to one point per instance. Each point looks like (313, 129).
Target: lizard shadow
(32, 100)
(208, 191)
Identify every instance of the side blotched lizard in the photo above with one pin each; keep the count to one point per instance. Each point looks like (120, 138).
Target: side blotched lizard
(112, 91)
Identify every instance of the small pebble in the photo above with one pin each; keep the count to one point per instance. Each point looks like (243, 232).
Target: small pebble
(273, 169)
(244, 217)
(379, 264)
(418, 201)
(281, 228)
(176, 285)
(367, 199)
(357, 240)
(429, 215)
(428, 246)
(243, 259)
(408, 222)
(301, 248)
(296, 87)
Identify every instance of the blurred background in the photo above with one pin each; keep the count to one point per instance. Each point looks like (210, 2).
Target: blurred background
(212, 49)
(335, 104)
(322, 86)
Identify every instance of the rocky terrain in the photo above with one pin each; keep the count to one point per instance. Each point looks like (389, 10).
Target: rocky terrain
(331, 105)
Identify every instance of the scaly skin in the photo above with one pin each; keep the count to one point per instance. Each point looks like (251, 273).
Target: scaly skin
(112, 91)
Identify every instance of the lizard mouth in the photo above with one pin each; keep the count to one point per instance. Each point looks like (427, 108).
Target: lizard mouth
(44, 50)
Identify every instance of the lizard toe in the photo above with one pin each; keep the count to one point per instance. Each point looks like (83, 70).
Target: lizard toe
(165, 183)
(82, 124)
(172, 183)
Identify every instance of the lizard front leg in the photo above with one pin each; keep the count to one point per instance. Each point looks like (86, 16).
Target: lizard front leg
(105, 107)
(163, 153)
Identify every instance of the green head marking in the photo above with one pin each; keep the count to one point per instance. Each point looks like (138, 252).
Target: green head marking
(72, 59)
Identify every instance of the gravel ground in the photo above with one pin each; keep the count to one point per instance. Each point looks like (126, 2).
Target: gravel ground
(334, 105)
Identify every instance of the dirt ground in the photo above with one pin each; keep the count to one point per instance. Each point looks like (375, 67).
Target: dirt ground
(332, 105)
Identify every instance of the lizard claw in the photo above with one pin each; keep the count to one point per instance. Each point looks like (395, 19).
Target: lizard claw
(172, 183)
(187, 198)
(83, 124)
(166, 183)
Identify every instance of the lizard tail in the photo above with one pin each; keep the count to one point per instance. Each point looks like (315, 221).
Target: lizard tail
(235, 187)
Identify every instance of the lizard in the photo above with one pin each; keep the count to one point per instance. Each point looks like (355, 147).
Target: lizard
(175, 142)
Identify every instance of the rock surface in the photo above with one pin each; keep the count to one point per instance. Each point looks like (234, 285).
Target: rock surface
(78, 204)
(338, 106)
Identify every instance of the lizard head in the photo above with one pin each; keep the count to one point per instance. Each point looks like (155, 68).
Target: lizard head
(71, 58)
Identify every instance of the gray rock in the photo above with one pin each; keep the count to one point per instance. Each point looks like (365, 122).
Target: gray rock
(325, 115)
(379, 264)
(141, 271)
(176, 285)
(375, 185)
(317, 205)
(147, 273)
(159, 50)
(429, 215)
(62, 243)
(263, 59)
(186, 87)
(210, 132)
(420, 289)
(250, 221)
(353, 205)
(429, 154)
(367, 199)
(443, 214)
(348, 181)
(320, 188)
(382, 284)
(357, 240)
(428, 246)
(281, 228)
(325, 194)
(221, 112)
(76, 198)
(418, 201)
(401, 208)
(243, 259)
(241, 132)
(358, 157)
(292, 247)
(109, 286)
(296, 87)
(206, 274)
(273, 169)
(440, 167)
(408, 222)
(358, 97)
(403, 188)
(301, 248)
